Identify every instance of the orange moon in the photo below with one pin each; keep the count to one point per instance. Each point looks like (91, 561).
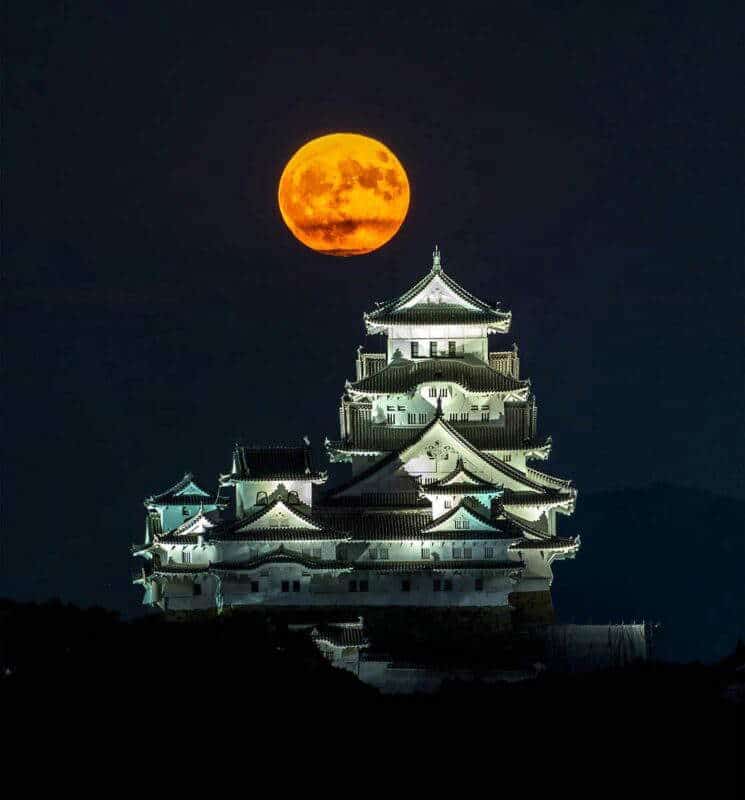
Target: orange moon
(344, 194)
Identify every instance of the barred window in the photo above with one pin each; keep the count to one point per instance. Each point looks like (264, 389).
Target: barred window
(451, 348)
(467, 552)
(391, 419)
(433, 349)
(488, 552)
(425, 553)
(457, 552)
(415, 349)
(185, 557)
(433, 391)
(384, 554)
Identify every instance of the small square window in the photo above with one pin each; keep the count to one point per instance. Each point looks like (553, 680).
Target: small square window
(296, 586)
(433, 349)
(415, 349)
(451, 348)
(488, 552)
(254, 586)
(457, 552)
(285, 586)
(406, 585)
(384, 554)
(448, 504)
(197, 589)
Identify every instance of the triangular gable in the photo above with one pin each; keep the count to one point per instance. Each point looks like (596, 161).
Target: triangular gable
(191, 489)
(277, 515)
(437, 290)
(462, 517)
(200, 522)
(461, 475)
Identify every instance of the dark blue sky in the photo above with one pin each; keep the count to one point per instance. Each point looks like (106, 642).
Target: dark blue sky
(157, 308)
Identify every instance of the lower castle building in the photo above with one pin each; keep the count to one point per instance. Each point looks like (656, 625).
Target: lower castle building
(444, 507)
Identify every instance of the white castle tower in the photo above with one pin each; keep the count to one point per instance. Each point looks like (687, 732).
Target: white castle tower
(443, 508)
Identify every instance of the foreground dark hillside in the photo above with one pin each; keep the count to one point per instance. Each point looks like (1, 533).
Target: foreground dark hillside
(244, 670)
(666, 554)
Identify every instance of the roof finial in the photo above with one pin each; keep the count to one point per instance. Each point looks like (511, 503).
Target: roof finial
(436, 267)
(438, 410)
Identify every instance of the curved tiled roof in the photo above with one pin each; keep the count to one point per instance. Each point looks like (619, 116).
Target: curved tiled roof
(402, 375)
(273, 463)
(438, 314)
(172, 497)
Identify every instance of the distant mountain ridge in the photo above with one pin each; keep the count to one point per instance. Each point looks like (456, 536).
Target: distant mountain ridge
(666, 554)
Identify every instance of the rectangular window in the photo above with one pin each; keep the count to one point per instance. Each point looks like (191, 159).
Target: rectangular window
(474, 408)
(452, 417)
(425, 553)
(484, 408)
(197, 589)
(422, 419)
(507, 457)
(415, 349)
(436, 585)
(285, 586)
(390, 408)
(464, 417)
(391, 419)
(405, 585)
(254, 586)
(352, 586)
(479, 585)
(372, 554)
(488, 552)
(316, 552)
(451, 348)
(296, 586)
(484, 416)
(432, 349)
(185, 557)
(384, 554)
(448, 586)
(467, 552)
(443, 392)
(457, 553)
(448, 504)
(433, 391)
(411, 418)
(364, 586)
(402, 408)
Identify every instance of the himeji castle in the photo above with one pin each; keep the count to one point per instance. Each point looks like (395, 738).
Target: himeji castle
(444, 507)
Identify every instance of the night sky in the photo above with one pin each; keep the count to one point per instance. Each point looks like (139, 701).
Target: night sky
(582, 163)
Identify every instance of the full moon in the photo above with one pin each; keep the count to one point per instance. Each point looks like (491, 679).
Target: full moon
(344, 194)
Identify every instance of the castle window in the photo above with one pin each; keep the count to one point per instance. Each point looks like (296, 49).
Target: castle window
(402, 408)
(352, 586)
(364, 586)
(185, 557)
(372, 554)
(452, 417)
(464, 417)
(474, 408)
(433, 391)
(196, 589)
(415, 349)
(405, 585)
(391, 419)
(448, 504)
(484, 408)
(479, 585)
(507, 457)
(292, 498)
(467, 552)
(384, 554)
(488, 552)
(411, 418)
(425, 553)
(285, 586)
(296, 586)
(457, 553)
(443, 392)
(254, 586)
(261, 498)
(422, 419)
(451, 348)
(484, 416)
(390, 408)
(432, 349)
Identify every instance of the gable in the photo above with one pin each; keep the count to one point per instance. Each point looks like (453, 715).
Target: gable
(437, 291)
(190, 490)
(278, 515)
(462, 518)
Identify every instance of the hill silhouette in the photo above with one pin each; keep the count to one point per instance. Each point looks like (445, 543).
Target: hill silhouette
(665, 554)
